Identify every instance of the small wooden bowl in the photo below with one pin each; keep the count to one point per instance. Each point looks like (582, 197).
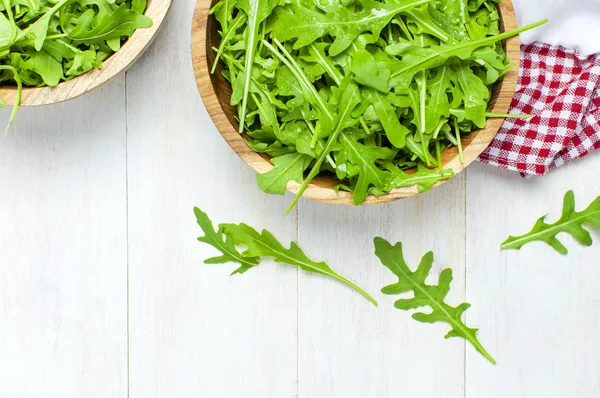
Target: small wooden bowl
(118, 63)
(216, 93)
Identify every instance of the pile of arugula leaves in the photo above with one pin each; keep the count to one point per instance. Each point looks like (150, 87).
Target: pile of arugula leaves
(44, 42)
(363, 89)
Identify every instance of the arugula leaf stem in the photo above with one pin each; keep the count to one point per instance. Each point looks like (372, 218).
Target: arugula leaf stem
(282, 255)
(446, 50)
(507, 115)
(11, 18)
(17, 78)
(289, 61)
(422, 103)
(252, 11)
(321, 145)
(439, 128)
(330, 69)
(241, 18)
(302, 79)
(461, 156)
(337, 78)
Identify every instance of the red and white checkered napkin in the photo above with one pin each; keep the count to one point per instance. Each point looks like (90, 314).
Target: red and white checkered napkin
(562, 90)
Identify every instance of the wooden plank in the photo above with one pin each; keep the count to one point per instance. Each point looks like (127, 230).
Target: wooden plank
(196, 331)
(347, 347)
(539, 310)
(63, 273)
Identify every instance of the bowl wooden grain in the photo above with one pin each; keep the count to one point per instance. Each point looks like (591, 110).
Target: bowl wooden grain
(216, 93)
(116, 64)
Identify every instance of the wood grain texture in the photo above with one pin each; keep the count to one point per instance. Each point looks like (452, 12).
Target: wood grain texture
(542, 310)
(63, 250)
(114, 66)
(216, 92)
(196, 331)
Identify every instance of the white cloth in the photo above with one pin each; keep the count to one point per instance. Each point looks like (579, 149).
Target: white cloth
(572, 23)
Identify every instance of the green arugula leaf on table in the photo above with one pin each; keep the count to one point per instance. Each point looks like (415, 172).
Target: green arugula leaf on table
(258, 245)
(266, 245)
(425, 295)
(224, 244)
(570, 222)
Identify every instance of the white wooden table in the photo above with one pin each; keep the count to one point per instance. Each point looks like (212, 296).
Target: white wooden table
(103, 292)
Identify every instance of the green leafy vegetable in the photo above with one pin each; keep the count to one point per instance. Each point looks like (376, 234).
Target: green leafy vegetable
(224, 244)
(43, 43)
(425, 295)
(570, 222)
(288, 167)
(263, 244)
(379, 87)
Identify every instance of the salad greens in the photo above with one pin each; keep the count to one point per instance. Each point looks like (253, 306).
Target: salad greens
(44, 42)
(426, 295)
(363, 89)
(260, 244)
(570, 222)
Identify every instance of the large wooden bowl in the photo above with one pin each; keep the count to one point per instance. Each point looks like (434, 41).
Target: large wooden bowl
(117, 64)
(216, 93)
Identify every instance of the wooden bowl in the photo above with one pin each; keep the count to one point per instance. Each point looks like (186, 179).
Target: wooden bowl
(216, 92)
(118, 63)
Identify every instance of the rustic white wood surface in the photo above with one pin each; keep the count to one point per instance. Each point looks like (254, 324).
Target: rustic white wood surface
(103, 292)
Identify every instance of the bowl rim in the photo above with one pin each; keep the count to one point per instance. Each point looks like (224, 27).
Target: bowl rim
(322, 187)
(112, 67)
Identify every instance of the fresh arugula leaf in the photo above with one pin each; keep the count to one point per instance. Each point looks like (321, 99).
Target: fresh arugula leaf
(570, 222)
(425, 295)
(266, 245)
(423, 177)
(366, 158)
(476, 95)
(116, 24)
(288, 167)
(306, 25)
(368, 73)
(386, 112)
(223, 243)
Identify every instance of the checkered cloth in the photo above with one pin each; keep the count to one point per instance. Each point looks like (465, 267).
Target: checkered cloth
(562, 90)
